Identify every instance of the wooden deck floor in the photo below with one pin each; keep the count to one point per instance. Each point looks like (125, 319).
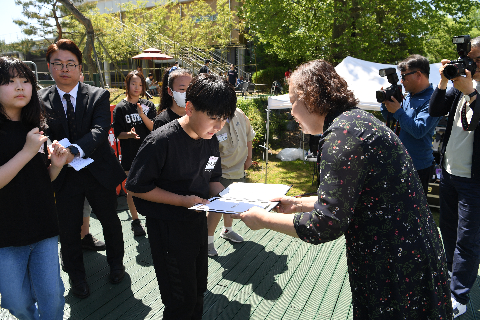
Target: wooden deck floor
(269, 276)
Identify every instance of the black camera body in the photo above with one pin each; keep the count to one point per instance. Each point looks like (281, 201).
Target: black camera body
(457, 67)
(395, 90)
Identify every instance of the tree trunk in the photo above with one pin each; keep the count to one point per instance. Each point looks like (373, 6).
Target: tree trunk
(57, 22)
(90, 34)
(339, 28)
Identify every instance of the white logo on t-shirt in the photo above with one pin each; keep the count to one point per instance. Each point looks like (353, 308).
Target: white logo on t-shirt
(134, 117)
(211, 163)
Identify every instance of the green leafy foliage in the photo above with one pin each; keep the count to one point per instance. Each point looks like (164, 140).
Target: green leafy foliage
(168, 26)
(269, 75)
(255, 110)
(49, 19)
(383, 31)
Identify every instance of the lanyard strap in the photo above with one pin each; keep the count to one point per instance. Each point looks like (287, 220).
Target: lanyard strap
(475, 118)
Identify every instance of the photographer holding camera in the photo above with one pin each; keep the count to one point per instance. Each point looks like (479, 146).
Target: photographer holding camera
(417, 126)
(460, 160)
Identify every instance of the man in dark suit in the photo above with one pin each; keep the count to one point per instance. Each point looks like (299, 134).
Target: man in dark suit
(81, 113)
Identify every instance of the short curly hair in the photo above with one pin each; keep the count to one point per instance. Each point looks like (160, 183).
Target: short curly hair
(321, 88)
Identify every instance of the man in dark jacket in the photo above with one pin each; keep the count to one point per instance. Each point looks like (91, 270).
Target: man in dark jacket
(81, 113)
(460, 182)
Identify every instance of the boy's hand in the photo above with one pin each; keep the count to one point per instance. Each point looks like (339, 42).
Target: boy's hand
(190, 201)
(34, 141)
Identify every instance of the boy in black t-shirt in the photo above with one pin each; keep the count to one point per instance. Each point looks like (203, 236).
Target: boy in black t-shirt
(178, 166)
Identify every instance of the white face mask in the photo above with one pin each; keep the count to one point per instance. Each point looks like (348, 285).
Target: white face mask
(179, 98)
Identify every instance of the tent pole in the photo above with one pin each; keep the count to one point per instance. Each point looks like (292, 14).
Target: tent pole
(266, 146)
(302, 145)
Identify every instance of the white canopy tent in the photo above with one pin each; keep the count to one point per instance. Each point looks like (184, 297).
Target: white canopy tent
(362, 78)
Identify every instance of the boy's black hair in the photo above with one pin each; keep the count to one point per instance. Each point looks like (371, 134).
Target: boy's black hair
(213, 95)
(33, 114)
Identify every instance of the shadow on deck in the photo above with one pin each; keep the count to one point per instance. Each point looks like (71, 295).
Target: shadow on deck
(269, 276)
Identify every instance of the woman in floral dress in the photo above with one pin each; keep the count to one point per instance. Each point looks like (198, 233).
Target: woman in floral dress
(369, 191)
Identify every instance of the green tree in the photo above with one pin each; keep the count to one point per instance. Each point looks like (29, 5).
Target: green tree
(439, 45)
(377, 30)
(90, 35)
(46, 19)
(170, 27)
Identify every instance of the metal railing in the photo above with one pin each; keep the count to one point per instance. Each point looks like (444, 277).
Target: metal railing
(191, 58)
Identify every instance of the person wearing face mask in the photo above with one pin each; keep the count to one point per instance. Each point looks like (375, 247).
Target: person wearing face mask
(172, 102)
(133, 121)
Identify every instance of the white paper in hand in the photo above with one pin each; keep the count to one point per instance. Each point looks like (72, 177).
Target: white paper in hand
(77, 163)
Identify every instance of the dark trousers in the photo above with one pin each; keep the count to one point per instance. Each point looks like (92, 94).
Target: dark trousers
(179, 252)
(425, 175)
(460, 227)
(70, 199)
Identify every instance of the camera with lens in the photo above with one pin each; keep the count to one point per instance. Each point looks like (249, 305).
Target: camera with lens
(395, 90)
(457, 67)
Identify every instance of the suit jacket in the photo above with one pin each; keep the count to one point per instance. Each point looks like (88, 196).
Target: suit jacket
(92, 117)
(445, 102)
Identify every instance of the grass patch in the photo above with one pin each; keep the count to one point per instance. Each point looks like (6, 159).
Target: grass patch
(297, 173)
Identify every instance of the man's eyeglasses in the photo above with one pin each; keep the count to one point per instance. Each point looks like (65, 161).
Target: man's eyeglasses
(59, 66)
(406, 74)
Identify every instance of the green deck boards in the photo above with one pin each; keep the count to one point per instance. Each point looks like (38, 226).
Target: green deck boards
(269, 276)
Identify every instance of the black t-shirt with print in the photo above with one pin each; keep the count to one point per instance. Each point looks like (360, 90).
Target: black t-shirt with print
(126, 117)
(171, 160)
(164, 117)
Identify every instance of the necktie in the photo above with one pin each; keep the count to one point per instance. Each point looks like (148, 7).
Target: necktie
(70, 119)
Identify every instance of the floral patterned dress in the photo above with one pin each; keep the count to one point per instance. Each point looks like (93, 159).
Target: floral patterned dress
(370, 192)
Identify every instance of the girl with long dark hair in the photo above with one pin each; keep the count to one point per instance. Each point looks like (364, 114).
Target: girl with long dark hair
(30, 283)
(133, 121)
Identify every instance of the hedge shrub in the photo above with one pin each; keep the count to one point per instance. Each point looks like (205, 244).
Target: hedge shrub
(267, 76)
(255, 110)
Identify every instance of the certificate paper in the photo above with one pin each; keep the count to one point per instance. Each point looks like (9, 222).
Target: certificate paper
(240, 197)
(77, 163)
